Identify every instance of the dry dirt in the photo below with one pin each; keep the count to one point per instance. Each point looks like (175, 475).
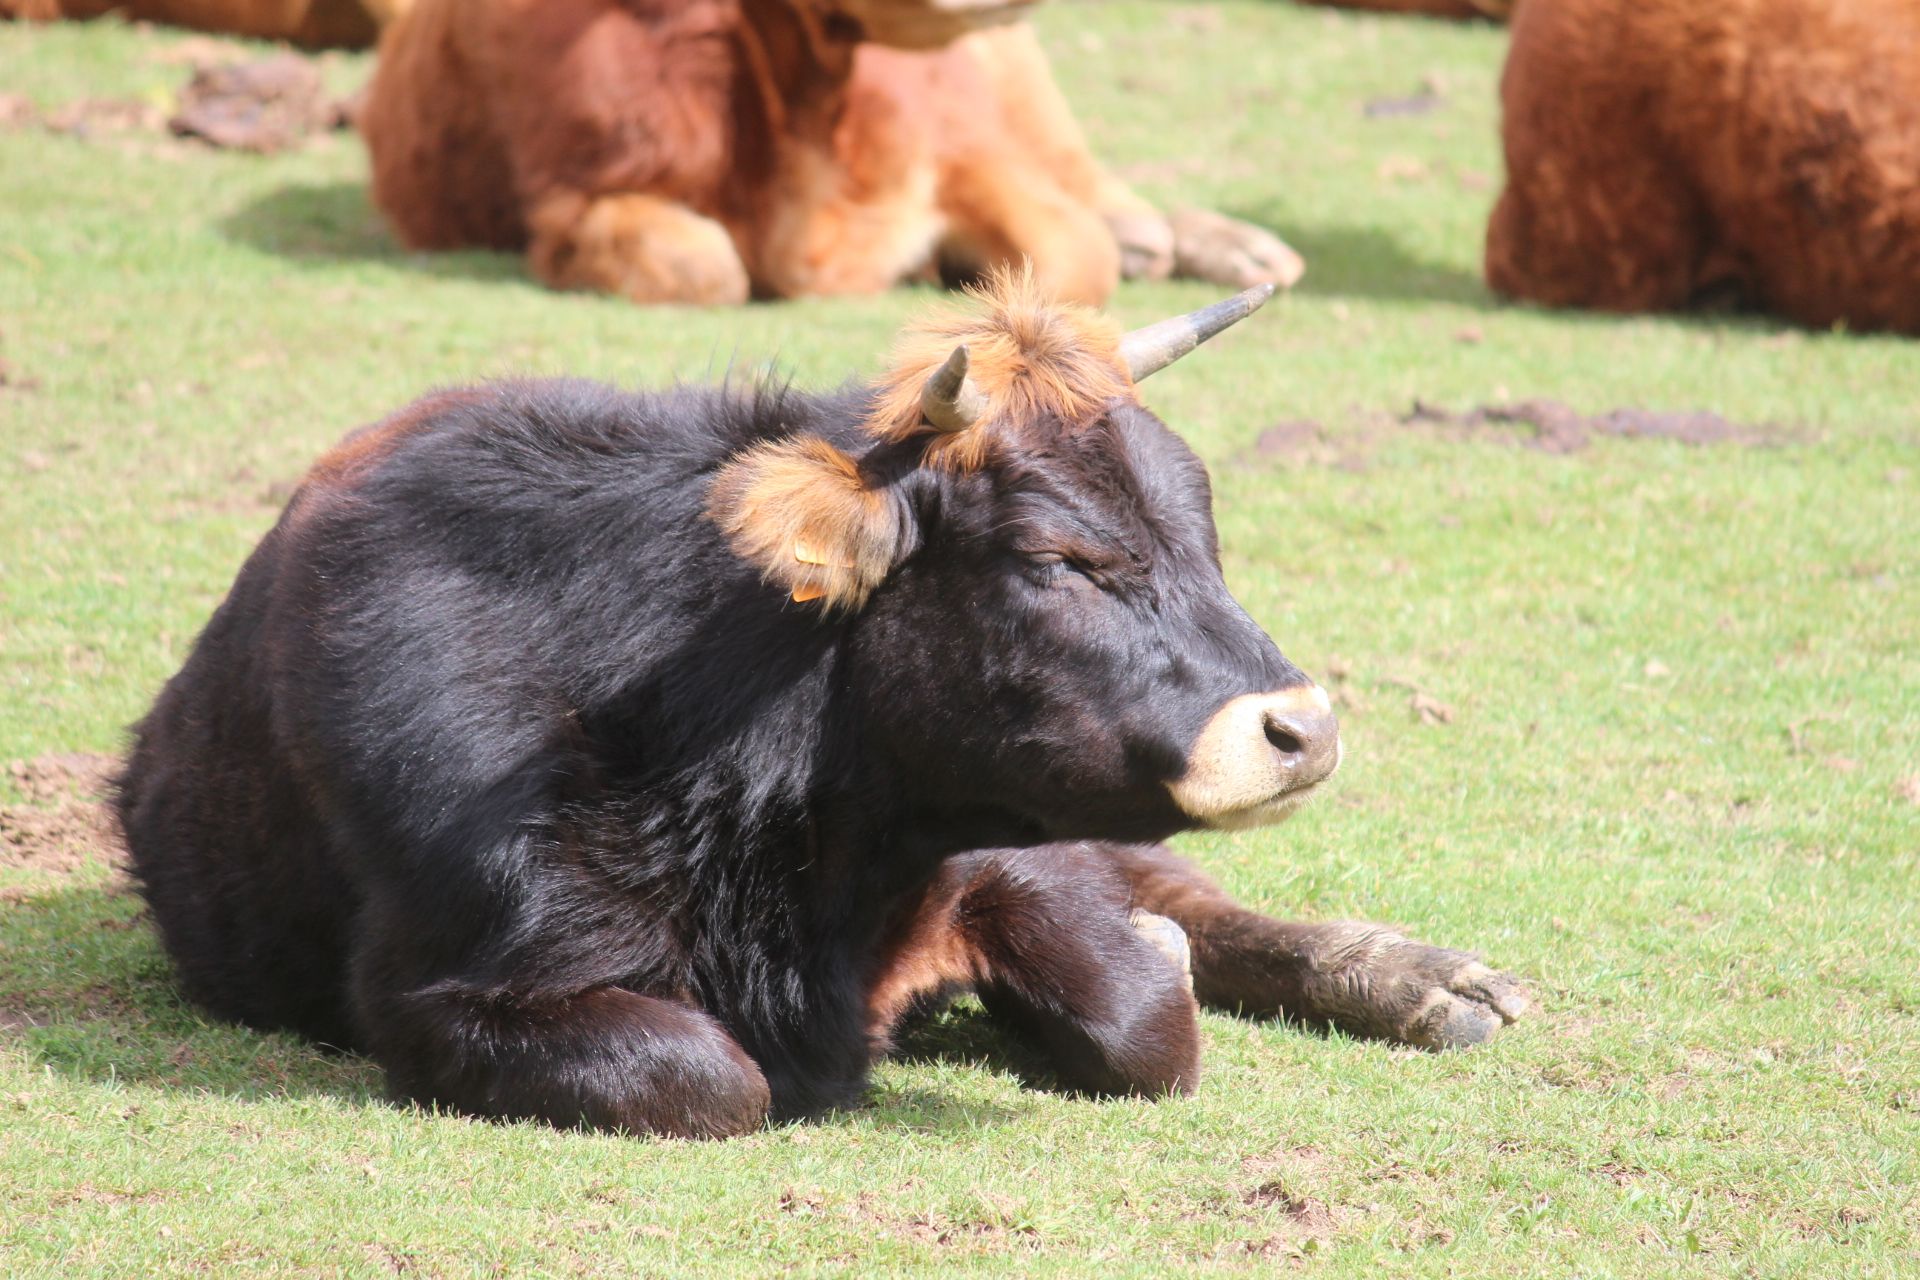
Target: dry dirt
(264, 106)
(63, 825)
(1548, 426)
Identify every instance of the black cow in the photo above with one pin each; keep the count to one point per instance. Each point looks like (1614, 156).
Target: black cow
(639, 760)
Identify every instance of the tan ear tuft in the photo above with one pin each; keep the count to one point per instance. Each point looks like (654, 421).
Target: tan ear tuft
(800, 511)
(1030, 357)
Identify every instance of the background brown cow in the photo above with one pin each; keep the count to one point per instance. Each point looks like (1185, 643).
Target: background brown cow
(1770, 148)
(708, 150)
(349, 24)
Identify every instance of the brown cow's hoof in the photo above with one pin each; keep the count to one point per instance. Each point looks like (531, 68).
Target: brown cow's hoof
(1168, 938)
(1211, 246)
(1145, 239)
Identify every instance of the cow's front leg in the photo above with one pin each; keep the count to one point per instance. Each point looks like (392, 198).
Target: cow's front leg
(1003, 213)
(1046, 938)
(602, 1058)
(642, 247)
(1362, 978)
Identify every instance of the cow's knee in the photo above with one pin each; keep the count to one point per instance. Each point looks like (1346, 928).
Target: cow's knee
(606, 1058)
(642, 247)
(1080, 264)
(1063, 956)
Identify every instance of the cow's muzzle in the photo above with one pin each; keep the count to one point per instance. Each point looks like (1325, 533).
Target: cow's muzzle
(1259, 758)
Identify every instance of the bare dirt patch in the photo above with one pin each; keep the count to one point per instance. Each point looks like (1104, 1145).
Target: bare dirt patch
(63, 826)
(88, 1193)
(1425, 100)
(83, 117)
(26, 1010)
(265, 106)
(1299, 1161)
(272, 104)
(1553, 427)
(1543, 425)
(998, 1228)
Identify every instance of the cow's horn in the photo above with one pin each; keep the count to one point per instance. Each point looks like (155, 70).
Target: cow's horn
(1147, 351)
(950, 400)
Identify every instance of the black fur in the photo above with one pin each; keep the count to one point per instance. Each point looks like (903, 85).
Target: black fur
(498, 764)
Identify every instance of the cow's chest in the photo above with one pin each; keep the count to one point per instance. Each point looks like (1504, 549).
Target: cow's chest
(853, 213)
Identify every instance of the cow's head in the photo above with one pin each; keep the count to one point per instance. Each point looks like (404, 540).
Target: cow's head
(1025, 560)
(912, 24)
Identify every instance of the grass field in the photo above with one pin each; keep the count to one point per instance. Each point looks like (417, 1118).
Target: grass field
(1668, 768)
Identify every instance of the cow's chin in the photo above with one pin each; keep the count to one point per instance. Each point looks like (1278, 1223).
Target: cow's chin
(1265, 814)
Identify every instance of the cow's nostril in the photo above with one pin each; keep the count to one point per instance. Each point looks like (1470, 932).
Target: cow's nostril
(1283, 738)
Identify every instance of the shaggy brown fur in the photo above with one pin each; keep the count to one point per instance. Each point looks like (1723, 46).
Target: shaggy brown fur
(1034, 359)
(800, 510)
(708, 150)
(350, 24)
(1659, 152)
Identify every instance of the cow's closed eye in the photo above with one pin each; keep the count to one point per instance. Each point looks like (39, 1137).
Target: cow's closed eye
(1059, 569)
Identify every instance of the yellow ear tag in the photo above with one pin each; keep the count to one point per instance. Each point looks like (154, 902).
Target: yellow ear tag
(806, 553)
(805, 592)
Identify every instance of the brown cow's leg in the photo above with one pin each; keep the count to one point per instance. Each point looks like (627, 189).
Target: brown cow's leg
(605, 1058)
(1598, 211)
(1039, 122)
(1362, 978)
(642, 247)
(1193, 243)
(1046, 938)
(1001, 212)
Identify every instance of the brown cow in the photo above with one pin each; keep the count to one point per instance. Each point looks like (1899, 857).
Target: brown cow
(1768, 150)
(350, 24)
(708, 150)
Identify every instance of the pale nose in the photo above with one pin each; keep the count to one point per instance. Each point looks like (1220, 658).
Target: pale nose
(1305, 736)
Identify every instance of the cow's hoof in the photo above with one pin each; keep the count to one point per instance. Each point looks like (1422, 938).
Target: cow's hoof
(1441, 999)
(1168, 938)
(1213, 247)
(1146, 242)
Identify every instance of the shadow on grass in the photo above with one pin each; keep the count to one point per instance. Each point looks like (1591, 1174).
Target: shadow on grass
(1367, 262)
(965, 1035)
(87, 993)
(334, 222)
(328, 223)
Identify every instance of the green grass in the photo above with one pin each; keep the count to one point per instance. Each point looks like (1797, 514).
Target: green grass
(1685, 686)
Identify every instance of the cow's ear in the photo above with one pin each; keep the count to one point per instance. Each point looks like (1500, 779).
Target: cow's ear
(800, 510)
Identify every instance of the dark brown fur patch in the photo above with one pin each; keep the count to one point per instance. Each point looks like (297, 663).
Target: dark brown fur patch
(347, 461)
(1033, 358)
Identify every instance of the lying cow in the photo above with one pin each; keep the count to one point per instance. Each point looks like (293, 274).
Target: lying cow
(351, 24)
(707, 150)
(1766, 151)
(640, 760)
